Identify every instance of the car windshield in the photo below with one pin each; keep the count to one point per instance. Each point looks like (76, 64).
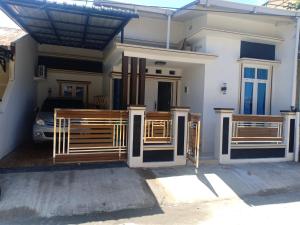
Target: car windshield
(50, 104)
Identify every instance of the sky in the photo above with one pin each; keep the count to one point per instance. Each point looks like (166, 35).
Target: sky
(6, 22)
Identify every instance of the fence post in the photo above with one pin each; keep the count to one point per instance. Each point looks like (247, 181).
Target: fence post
(135, 136)
(290, 129)
(223, 134)
(180, 133)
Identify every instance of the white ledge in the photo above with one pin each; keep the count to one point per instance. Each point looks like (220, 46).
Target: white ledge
(259, 61)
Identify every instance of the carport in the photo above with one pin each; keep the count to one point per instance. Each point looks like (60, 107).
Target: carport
(78, 26)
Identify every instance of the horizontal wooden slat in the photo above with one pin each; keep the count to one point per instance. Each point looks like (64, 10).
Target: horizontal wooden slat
(90, 158)
(158, 116)
(257, 132)
(92, 140)
(255, 118)
(258, 139)
(94, 145)
(88, 135)
(98, 126)
(85, 113)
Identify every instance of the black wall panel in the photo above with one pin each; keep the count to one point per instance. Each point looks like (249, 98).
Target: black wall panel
(257, 50)
(257, 153)
(180, 135)
(136, 151)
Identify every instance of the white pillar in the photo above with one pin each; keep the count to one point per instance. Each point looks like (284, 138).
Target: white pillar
(179, 119)
(135, 136)
(223, 134)
(289, 134)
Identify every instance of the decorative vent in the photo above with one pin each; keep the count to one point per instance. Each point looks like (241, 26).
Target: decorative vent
(172, 72)
(158, 71)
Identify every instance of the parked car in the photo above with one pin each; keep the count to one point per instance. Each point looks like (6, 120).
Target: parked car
(44, 123)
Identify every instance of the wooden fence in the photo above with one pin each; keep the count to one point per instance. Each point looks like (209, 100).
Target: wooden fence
(158, 128)
(257, 129)
(89, 135)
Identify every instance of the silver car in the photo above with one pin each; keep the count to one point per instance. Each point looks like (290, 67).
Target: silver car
(43, 126)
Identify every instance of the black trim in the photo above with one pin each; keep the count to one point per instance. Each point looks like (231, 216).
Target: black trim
(180, 135)
(225, 135)
(257, 50)
(136, 142)
(70, 64)
(257, 153)
(292, 136)
(158, 156)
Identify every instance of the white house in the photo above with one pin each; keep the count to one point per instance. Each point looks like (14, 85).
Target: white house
(227, 61)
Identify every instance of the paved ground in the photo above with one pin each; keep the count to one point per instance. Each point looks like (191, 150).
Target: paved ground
(214, 194)
(65, 193)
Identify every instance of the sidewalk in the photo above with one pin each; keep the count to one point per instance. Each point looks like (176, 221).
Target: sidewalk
(77, 192)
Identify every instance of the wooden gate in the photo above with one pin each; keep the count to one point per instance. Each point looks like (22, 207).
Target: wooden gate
(193, 148)
(89, 135)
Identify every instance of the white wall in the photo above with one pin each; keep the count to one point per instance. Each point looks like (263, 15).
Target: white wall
(19, 99)
(154, 30)
(193, 78)
(95, 87)
(227, 69)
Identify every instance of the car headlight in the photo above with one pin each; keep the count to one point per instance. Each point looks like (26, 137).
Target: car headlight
(40, 122)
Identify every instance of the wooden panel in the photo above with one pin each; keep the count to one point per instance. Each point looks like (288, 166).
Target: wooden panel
(253, 139)
(133, 81)
(251, 118)
(257, 132)
(124, 81)
(158, 116)
(91, 158)
(142, 71)
(97, 114)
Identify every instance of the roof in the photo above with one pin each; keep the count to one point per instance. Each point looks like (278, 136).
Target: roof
(9, 35)
(233, 7)
(68, 25)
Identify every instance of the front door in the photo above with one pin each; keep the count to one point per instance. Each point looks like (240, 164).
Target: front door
(164, 96)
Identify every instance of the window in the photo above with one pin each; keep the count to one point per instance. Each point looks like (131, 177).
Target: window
(75, 89)
(255, 91)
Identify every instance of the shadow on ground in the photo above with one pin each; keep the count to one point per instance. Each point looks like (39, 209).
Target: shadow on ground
(215, 182)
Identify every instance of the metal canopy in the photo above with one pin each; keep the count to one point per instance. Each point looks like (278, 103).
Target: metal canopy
(68, 25)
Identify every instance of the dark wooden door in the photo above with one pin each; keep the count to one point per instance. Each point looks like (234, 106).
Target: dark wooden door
(164, 96)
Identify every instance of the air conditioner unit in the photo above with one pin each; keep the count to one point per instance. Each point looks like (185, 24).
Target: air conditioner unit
(41, 72)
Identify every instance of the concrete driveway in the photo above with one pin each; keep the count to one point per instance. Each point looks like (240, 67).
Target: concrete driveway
(82, 192)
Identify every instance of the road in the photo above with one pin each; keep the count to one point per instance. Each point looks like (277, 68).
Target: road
(278, 207)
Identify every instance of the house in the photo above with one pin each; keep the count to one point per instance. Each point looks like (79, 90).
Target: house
(150, 70)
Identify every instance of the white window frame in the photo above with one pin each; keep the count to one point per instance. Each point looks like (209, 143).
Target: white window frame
(255, 82)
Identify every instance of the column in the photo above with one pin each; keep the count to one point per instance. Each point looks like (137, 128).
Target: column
(180, 134)
(135, 136)
(223, 134)
(124, 81)
(142, 72)
(133, 80)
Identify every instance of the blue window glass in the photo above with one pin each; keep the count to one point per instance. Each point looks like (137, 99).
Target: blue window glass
(262, 74)
(248, 98)
(261, 98)
(249, 72)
